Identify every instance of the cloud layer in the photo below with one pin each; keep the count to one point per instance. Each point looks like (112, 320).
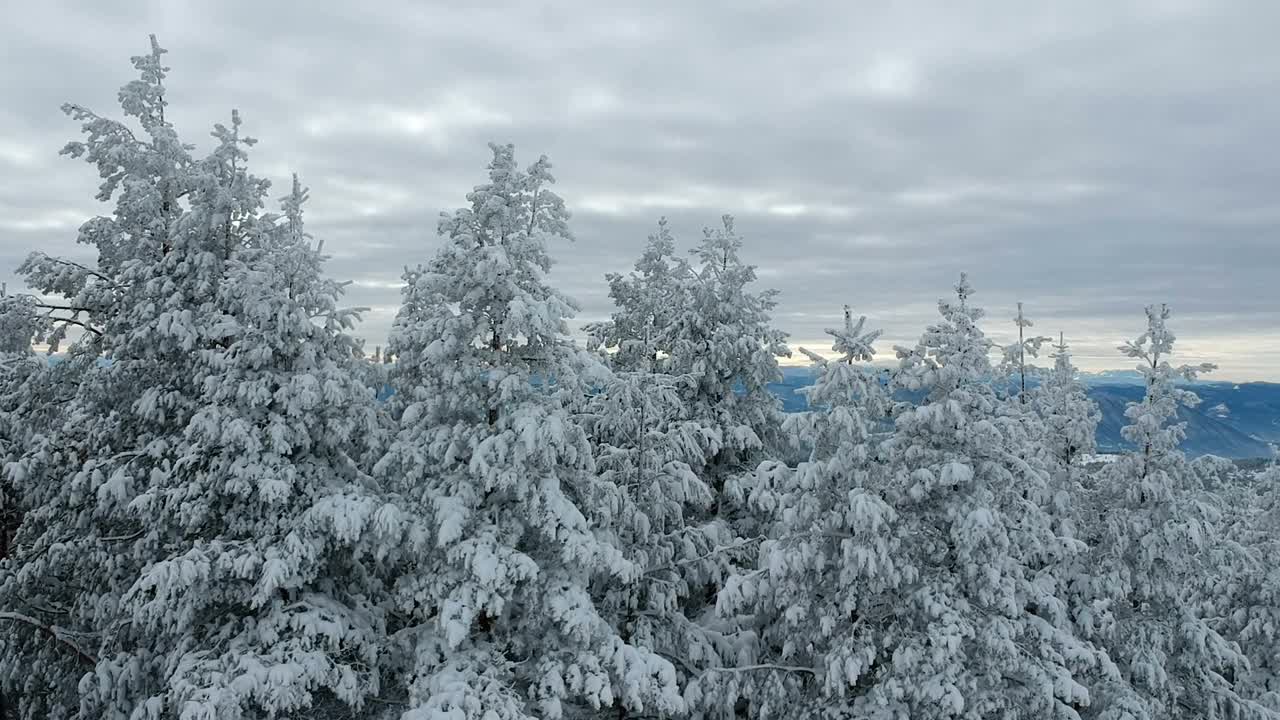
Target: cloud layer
(1086, 158)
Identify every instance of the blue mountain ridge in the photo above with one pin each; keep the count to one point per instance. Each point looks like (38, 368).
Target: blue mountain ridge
(1233, 420)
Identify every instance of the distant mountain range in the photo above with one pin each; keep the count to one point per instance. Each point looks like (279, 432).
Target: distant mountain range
(1233, 420)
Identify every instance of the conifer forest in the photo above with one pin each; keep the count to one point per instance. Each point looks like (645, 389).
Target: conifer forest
(217, 503)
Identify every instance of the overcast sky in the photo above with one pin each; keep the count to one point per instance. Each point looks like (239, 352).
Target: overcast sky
(1084, 157)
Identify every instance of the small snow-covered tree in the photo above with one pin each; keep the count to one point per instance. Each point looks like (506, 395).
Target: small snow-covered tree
(1070, 417)
(1152, 539)
(186, 549)
(500, 621)
(1013, 365)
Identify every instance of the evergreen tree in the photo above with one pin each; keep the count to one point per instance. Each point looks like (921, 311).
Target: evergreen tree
(918, 577)
(1070, 417)
(832, 556)
(19, 325)
(649, 452)
(977, 629)
(725, 341)
(701, 333)
(1240, 597)
(186, 540)
(650, 300)
(500, 621)
(1014, 366)
(1153, 537)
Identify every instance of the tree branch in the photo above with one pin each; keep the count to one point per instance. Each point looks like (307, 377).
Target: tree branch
(766, 666)
(52, 631)
(123, 538)
(67, 308)
(88, 270)
(87, 327)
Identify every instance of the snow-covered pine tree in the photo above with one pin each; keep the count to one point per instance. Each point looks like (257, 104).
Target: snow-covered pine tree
(1070, 417)
(185, 551)
(1152, 537)
(650, 453)
(725, 341)
(703, 322)
(833, 554)
(966, 620)
(1240, 597)
(65, 580)
(499, 621)
(642, 329)
(19, 324)
(668, 317)
(917, 577)
(1014, 367)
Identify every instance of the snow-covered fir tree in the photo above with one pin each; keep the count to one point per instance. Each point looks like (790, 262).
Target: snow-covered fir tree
(651, 453)
(1152, 537)
(703, 322)
(832, 549)
(649, 302)
(726, 342)
(19, 325)
(184, 551)
(1070, 417)
(1240, 595)
(1014, 365)
(925, 586)
(499, 620)
(701, 331)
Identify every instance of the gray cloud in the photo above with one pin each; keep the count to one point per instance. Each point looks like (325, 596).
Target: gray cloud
(1086, 158)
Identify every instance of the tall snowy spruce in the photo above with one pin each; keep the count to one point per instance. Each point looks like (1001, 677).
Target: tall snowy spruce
(660, 429)
(726, 343)
(1153, 538)
(499, 620)
(981, 630)
(184, 548)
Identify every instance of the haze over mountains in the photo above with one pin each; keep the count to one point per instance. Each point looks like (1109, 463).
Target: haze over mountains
(1233, 420)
